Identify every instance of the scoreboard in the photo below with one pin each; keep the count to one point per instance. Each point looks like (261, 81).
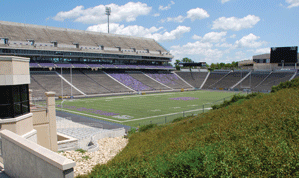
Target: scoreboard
(284, 54)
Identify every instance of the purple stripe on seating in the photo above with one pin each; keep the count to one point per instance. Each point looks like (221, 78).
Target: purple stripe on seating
(47, 64)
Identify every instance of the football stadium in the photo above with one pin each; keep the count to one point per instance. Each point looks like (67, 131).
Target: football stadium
(77, 87)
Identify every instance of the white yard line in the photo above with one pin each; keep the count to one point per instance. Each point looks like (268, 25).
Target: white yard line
(80, 113)
(164, 115)
(131, 119)
(112, 97)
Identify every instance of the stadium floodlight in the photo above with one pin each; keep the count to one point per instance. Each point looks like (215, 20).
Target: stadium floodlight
(108, 12)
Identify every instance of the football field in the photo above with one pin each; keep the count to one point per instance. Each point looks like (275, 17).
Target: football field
(134, 109)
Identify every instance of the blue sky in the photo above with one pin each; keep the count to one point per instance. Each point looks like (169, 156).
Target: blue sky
(210, 30)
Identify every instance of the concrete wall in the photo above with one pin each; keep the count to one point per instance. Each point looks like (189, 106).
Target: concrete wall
(23, 158)
(14, 70)
(66, 143)
(20, 125)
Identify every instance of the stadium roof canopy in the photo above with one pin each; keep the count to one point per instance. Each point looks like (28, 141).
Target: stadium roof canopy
(43, 38)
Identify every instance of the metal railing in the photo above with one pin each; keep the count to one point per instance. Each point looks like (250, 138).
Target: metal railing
(167, 118)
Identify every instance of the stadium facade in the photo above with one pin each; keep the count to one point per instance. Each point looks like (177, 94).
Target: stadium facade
(61, 45)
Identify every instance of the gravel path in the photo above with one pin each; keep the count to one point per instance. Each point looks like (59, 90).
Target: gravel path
(108, 148)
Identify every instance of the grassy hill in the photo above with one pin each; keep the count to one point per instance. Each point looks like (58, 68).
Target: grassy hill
(253, 138)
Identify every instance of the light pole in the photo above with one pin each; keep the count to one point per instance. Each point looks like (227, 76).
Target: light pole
(108, 12)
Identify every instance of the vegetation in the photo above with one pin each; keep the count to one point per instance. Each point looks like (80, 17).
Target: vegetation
(258, 137)
(235, 99)
(147, 127)
(289, 84)
(222, 65)
(86, 157)
(81, 150)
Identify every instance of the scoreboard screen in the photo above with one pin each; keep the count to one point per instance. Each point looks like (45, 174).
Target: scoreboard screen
(284, 54)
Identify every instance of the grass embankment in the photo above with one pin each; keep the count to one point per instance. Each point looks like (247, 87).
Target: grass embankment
(258, 137)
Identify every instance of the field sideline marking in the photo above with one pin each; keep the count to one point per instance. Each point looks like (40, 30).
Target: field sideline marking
(86, 114)
(164, 115)
(131, 119)
(112, 97)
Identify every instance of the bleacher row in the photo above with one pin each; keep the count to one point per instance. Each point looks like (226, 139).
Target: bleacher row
(238, 80)
(110, 66)
(43, 36)
(89, 82)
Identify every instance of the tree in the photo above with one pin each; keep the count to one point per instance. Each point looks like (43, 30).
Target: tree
(185, 59)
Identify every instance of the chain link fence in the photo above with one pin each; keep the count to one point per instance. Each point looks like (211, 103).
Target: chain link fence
(167, 118)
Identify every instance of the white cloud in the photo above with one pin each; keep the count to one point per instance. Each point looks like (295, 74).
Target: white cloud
(293, 3)
(196, 37)
(234, 23)
(197, 13)
(193, 14)
(202, 51)
(224, 45)
(224, 1)
(211, 37)
(262, 50)
(233, 36)
(179, 19)
(94, 15)
(162, 8)
(249, 41)
(141, 31)
(156, 15)
(214, 37)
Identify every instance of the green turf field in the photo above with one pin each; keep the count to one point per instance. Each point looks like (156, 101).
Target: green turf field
(134, 109)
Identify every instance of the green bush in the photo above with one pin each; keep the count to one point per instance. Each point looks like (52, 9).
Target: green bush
(178, 119)
(288, 84)
(235, 99)
(146, 127)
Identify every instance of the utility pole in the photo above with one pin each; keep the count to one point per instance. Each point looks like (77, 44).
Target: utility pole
(108, 12)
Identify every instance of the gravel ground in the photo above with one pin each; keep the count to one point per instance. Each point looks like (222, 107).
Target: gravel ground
(108, 148)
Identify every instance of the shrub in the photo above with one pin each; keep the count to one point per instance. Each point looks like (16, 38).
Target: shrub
(234, 99)
(288, 84)
(146, 127)
(178, 119)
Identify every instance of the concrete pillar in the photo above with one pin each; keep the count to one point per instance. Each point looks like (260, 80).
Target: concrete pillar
(30, 97)
(51, 114)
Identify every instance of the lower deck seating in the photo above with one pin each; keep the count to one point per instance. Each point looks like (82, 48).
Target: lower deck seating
(83, 82)
(274, 79)
(253, 80)
(168, 79)
(105, 81)
(148, 81)
(214, 77)
(229, 80)
(129, 81)
(50, 81)
(193, 78)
